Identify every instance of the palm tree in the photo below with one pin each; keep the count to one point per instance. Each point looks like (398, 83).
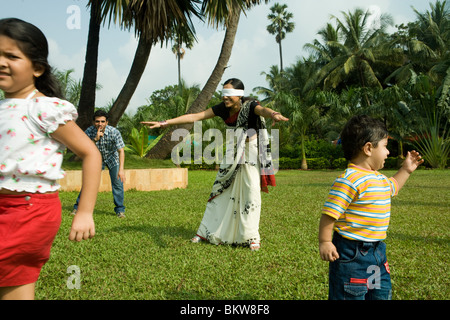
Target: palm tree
(417, 56)
(275, 80)
(391, 105)
(361, 52)
(426, 45)
(70, 87)
(300, 74)
(302, 114)
(86, 104)
(433, 30)
(433, 27)
(323, 51)
(280, 25)
(217, 12)
(178, 50)
(432, 103)
(153, 22)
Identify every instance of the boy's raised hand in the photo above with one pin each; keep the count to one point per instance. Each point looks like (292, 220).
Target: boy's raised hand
(412, 161)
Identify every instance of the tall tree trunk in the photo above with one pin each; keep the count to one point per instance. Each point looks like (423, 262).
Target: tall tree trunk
(281, 57)
(165, 145)
(180, 90)
(304, 165)
(137, 69)
(86, 104)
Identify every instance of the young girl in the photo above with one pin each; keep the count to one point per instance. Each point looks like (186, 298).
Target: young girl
(233, 210)
(35, 127)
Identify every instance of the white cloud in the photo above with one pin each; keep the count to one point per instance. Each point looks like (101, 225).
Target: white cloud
(110, 80)
(375, 15)
(62, 61)
(198, 63)
(128, 50)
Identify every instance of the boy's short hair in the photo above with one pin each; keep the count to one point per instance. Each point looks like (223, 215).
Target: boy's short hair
(100, 113)
(358, 131)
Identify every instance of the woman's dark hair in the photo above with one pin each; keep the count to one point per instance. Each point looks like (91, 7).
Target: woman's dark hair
(239, 85)
(236, 83)
(358, 131)
(32, 42)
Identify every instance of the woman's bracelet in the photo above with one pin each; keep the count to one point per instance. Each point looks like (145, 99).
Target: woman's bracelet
(274, 114)
(163, 124)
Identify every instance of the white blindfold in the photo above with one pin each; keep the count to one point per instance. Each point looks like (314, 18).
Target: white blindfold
(232, 93)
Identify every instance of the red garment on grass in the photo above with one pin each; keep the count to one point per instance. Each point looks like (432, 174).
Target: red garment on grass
(267, 180)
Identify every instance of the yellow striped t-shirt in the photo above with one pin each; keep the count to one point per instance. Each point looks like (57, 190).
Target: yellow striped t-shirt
(360, 201)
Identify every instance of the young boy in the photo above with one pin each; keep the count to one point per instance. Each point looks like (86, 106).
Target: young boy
(358, 209)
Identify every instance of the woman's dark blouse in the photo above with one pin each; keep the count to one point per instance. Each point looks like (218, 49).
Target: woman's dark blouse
(224, 112)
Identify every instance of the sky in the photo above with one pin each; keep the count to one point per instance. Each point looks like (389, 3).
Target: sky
(65, 24)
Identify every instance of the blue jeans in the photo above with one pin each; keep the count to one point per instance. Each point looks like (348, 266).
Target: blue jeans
(361, 272)
(117, 190)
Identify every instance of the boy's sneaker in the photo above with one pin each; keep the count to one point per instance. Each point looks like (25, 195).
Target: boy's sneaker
(121, 215)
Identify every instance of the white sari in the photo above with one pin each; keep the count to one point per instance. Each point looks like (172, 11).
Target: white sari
(234, 208)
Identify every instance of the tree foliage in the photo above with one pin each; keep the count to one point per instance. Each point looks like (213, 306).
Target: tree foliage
(354, 66)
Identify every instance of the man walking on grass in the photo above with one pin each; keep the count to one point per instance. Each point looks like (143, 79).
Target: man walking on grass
(110, 144)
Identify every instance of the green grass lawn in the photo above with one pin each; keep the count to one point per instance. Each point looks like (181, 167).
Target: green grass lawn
(148, 255)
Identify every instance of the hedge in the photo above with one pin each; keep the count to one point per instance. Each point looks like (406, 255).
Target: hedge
(313, 163)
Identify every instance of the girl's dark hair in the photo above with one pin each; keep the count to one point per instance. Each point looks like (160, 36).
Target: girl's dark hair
(32, 42)
(358, 131)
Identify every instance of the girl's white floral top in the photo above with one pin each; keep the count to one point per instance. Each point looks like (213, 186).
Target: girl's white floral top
(30, 159)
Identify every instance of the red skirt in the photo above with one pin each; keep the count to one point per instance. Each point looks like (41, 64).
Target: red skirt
(28, 226)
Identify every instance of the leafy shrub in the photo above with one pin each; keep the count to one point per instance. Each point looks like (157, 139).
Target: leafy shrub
(313, 149)
(286, 163)
(323, 149)
(340, 163)
(289, 163)
(318, 163)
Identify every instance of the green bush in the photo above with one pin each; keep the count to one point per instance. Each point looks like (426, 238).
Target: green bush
(290, 151)
(340, 163)
(392, 163)
(289, 163)
(318, 163)
(323, 149)
(313, 149)
(285, 163)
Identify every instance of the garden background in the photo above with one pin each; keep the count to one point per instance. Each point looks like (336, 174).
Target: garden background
(354, 66)
(148, 255)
